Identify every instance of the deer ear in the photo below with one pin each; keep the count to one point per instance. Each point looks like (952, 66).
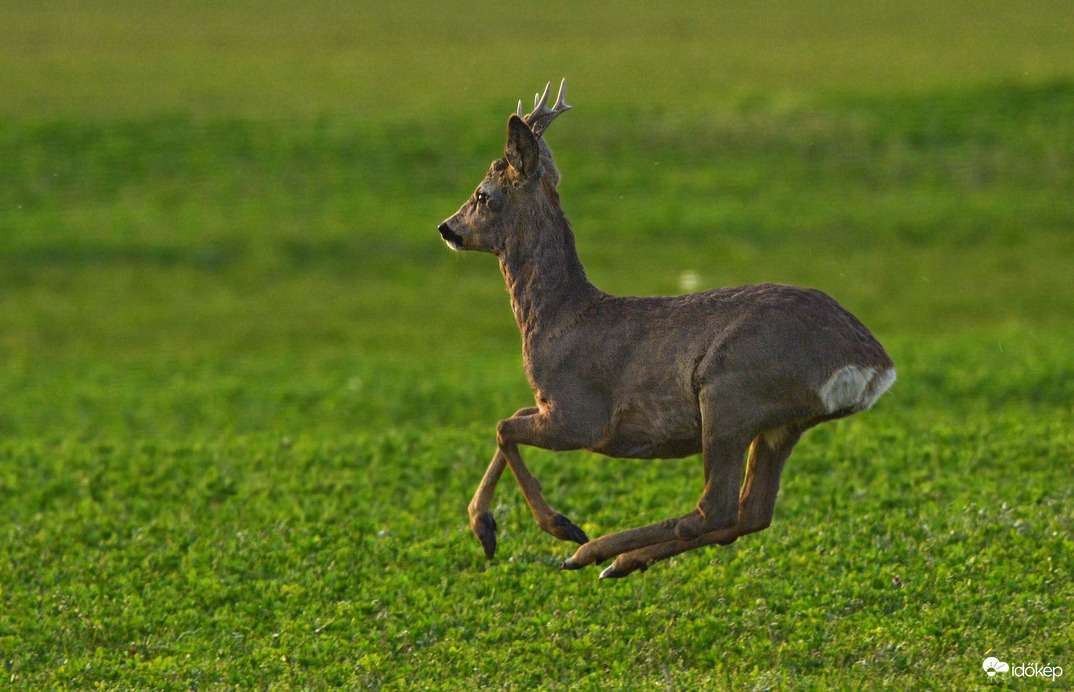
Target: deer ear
(522, 150)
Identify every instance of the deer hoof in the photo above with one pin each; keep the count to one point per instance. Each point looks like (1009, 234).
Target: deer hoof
(622, 567)
(613, 572)
(484, 526)
(563, 528)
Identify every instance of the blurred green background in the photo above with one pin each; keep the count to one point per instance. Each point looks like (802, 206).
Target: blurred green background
(197, 194)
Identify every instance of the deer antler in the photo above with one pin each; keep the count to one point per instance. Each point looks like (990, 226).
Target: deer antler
(541, 116)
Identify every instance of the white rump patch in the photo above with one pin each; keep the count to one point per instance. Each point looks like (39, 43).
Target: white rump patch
(854, 387)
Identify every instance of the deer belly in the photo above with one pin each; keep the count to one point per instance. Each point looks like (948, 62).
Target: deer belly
(651, 429)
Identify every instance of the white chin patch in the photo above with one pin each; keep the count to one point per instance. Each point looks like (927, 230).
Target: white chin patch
(854, 388)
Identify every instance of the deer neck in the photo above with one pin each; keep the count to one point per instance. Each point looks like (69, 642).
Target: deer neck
(545, 278)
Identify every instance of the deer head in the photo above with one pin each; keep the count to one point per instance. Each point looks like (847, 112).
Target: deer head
(518, 190)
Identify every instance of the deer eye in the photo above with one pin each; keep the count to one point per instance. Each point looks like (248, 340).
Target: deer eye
(481, 198)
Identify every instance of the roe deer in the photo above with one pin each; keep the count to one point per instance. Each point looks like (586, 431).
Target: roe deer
(737, 374)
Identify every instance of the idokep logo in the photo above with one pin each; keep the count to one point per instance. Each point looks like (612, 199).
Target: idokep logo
(993, 666)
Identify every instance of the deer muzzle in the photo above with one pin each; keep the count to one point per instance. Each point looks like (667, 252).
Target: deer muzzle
(453, 239)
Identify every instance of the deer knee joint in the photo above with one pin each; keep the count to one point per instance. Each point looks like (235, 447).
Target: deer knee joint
(698, 523)
(687, 530)
(717, 521)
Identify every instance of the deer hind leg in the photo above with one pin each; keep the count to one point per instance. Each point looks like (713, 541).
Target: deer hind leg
(531, 427)
(764, 466)
(717, 508)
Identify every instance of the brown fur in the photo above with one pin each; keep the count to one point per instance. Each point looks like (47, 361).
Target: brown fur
(732, 373)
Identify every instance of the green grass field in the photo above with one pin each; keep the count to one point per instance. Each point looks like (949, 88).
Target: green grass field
(246, 392)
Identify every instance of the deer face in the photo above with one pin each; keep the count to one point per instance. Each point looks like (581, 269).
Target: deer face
(514, 192)
(479, 223)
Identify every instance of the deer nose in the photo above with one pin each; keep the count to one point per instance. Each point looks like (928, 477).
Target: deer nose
(451, 237)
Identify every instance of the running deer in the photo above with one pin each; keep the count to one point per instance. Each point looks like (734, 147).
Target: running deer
(737, 374)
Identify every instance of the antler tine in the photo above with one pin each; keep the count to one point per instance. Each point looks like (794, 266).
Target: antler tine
(561, 105)
(541, 116)
(539, 100)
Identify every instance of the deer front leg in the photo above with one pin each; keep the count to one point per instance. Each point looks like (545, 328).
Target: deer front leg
(764, 466)
(482, 521)
(537, 430)
(528, 426)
